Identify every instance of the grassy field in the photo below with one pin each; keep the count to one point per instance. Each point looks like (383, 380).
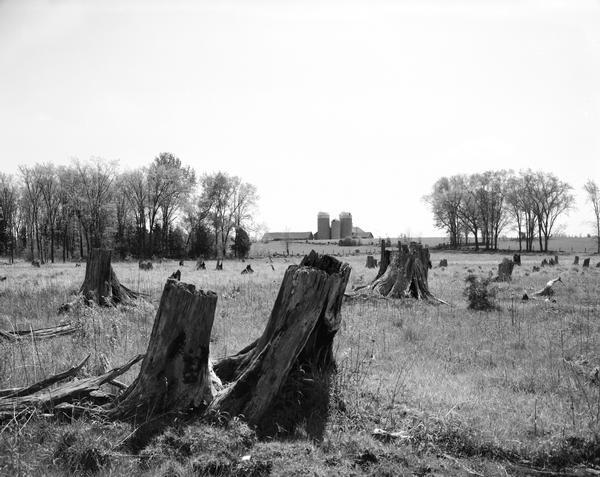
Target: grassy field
(577, 245)
(469, 393)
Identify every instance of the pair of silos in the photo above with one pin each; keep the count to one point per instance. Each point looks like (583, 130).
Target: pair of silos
(339, 228)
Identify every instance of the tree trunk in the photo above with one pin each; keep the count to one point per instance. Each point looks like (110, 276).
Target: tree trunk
(406, 274)
(175, 374)
(101, 284)
(297, 341)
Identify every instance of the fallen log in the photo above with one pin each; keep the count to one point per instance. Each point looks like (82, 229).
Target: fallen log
(44, 383)
(47, 399)
(41, 333)
(548, 290)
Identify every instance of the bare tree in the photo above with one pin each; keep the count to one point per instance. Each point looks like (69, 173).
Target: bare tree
(8, 213)
(551, 198)
(593, 196)
(49, 184)
(31, 202)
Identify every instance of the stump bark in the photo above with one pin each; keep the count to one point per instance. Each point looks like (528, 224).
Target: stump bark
(298, 338)
(174, 375)
(101, 284)
(405, 274)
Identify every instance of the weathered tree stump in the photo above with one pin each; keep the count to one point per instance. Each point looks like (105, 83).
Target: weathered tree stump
(101, 284)
(555, 259)
(517, 259)
(544, 263)
(505, 270)
(176, 275)
(576, 261)
(200, 265)
(371, 262)
(219, 264)
(174, 375)
(298, 338)
(406, 273)
(247, 270)
(586, 263)
(443, 263)
(551, 262)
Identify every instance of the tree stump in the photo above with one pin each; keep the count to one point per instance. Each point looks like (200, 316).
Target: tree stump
(406, 273)
(517, 259)
(555, 259)
(505, 270)
(174, 375)
(576, 261)
(101, 284)
(219, 264)
(544, 263)
(443, 263)
(371, 262)
(586, 263)
(297, 340)
(200, 265)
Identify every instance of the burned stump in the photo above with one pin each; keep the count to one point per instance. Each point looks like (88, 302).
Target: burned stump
(505, 270)
(576, 261)
(174, 375)
(517, 259)
(443, 263)
(176, 275)
(219, 264)
(200, 265)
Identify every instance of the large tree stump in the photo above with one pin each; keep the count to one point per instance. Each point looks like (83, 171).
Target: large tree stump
(505, 270)
(586, 262)
(371, 262)
(406, 273)
(576, 260)
(101, 284)
(174, 375)
(297, 339)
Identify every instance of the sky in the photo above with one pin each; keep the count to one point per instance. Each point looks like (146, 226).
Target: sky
(326, 105)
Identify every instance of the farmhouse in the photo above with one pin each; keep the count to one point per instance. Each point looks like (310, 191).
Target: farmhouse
(278, 236)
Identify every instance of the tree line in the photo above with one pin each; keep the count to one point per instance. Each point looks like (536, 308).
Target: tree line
(164, 209)
(481, 206)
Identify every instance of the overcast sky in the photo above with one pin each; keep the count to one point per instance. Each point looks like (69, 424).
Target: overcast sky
(323, 105)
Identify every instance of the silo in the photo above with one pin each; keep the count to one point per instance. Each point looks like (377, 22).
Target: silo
(345, 224)
(323, 226)
(335, 229)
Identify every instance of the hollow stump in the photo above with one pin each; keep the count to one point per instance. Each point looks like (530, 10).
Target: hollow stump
(298, 338)
(174, 375)
(405, 274)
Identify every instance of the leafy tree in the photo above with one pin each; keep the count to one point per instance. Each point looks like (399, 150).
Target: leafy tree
(241, 243)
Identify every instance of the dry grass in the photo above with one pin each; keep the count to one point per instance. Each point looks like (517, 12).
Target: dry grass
(488, 386)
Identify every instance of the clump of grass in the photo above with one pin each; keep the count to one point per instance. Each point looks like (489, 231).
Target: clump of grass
(479, 293)
(79, 452)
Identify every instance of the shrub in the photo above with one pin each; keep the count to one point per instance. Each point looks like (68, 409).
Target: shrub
(479, 295)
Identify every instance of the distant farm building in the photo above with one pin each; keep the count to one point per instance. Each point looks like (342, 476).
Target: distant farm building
(338, 229)
(279, 236)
